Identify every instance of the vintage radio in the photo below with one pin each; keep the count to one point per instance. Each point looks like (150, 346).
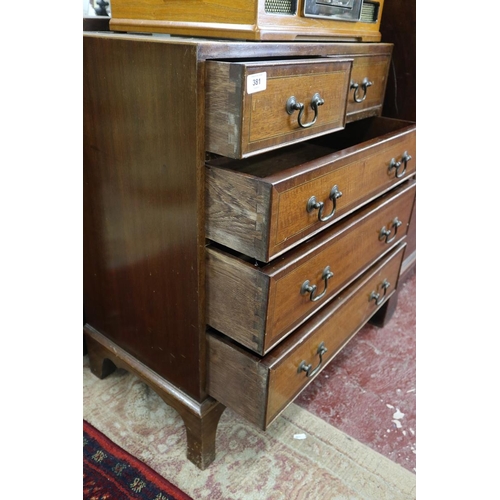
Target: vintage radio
(342, 20)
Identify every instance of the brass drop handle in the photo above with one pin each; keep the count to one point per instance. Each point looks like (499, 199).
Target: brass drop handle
(364, 85)
(313, 204)
(396, 165)
(303, 367)
(293, 105)
(385, 233)
(377, 297)
(307, 288)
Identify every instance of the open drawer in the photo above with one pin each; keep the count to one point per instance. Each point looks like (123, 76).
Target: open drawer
(258, 305)
(259, 388)
(255, 106)
(264, 206)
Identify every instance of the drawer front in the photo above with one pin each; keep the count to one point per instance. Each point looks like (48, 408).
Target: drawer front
(261, 388)
(264, 206)
(345, 256)
(359, 303)
(259, 305)
(367, 86)
(339, 187)
(256, 106)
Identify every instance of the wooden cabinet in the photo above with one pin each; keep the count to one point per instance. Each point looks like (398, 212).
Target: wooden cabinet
(231, 248)
(246, 19)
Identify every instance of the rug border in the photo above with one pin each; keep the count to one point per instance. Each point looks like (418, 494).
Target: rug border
(149, 473)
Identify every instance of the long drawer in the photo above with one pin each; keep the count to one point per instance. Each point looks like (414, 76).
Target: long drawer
(266, 205)
(259, 304)
(260, 388)
(254, 106)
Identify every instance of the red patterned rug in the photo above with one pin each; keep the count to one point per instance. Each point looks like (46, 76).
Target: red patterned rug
(110, 473)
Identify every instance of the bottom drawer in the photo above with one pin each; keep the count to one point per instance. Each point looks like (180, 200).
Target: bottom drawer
(260, 388)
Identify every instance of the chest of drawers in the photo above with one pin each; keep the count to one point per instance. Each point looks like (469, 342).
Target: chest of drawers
(235, 238)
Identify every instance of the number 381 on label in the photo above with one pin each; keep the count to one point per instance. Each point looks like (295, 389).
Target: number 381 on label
(256, 82)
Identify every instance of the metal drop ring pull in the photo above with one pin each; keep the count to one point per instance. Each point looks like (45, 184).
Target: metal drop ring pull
(385, 233)
(397, 164)
(292, 105)
(311, 289)
(377, 296)
(307, 368)
(364, 85)
(313, 204)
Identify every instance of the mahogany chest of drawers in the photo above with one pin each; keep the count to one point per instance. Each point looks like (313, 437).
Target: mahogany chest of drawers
(245, 214)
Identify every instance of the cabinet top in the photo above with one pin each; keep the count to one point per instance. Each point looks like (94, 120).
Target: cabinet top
(209, 48)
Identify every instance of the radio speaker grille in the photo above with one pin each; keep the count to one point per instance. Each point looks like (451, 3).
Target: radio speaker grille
(281, 6)
(369, 12)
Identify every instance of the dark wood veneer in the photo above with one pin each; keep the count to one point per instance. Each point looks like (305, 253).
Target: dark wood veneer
(143, 204)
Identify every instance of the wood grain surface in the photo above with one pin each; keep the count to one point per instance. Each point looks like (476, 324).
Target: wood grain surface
(376, 70)
(235, 19)
(258, 206)
(144, 204)
(258, 388)
(258, 305)
(241, 123)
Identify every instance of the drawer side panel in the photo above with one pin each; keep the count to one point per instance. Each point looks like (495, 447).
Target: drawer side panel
(237, 212)
(237, 379)
(223, 102)
(236, 298)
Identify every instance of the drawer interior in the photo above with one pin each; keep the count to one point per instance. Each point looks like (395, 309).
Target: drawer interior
(266, 205)
(363, 131)
(355, 136)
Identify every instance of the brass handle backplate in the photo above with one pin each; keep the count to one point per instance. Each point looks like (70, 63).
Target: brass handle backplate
(364, 85)
(385, 233)
(293, 105)
(307, 288)
(396, 165)
(303, 367)
(313, 204)
(376, 296)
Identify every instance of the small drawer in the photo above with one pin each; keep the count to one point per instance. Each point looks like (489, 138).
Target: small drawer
(266, 205)
(261, 388)
(259, 304)
(367, 86)
(256, 106)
